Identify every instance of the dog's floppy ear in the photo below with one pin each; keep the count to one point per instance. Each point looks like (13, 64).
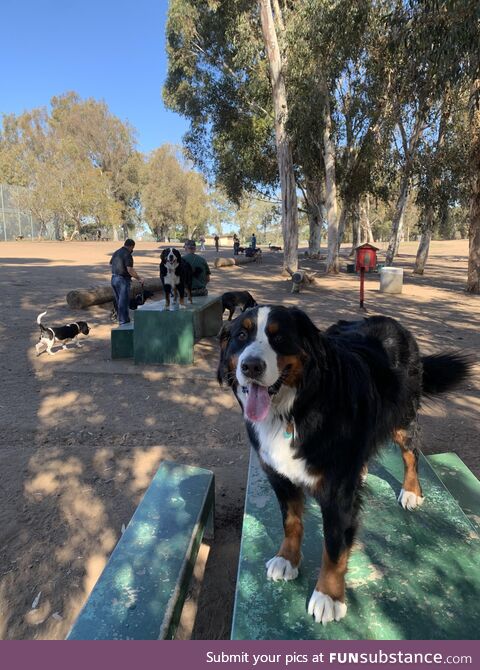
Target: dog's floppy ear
(178, 255)
(224, 338)
(309, 334)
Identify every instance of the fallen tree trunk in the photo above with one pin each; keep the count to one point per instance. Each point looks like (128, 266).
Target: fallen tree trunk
(238, 260)
(97, 295)
(299, 278)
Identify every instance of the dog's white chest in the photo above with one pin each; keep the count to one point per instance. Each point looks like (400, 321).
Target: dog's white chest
(171, 278)
(277, 452)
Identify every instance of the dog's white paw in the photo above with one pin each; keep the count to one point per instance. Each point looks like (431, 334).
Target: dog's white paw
(409, 500)
(324, 609)
(78, 345)
(279, 568)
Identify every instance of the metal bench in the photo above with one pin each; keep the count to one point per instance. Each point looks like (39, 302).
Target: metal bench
(412, 575)
(141, 591)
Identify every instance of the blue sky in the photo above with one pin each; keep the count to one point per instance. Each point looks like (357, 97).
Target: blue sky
(102, 49)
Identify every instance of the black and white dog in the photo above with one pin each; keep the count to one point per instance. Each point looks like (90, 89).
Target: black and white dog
(233, 299)
(134, 303)
(59, 335)
(317, 406)
(176, 275)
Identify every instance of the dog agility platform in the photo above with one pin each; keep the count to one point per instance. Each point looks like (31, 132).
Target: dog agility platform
(159, 336)
(412, 575)
(141, 591)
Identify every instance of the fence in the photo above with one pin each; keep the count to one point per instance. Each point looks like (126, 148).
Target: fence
(15, 223)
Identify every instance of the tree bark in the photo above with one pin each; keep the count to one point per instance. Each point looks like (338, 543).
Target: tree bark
(97, 295)
(356, 228)
(284, 151)
(330, 185)
(342, 224)
(473, 276)
(314, 203)
(365, 219)
(423, 247)
(397, 224)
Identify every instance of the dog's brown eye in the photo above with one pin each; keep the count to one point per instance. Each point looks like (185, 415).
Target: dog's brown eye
(242, 335)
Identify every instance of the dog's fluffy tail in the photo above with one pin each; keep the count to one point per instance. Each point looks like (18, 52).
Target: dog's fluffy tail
(39, 317)
(443, 372)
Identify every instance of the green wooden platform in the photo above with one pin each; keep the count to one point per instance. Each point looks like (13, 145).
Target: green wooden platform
(161, 337)
(122, 341)
(412, 575)
(140, 593)
(460, 482)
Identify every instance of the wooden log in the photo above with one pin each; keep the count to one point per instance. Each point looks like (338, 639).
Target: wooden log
(97, 295)
(238, 260)
(300, 277)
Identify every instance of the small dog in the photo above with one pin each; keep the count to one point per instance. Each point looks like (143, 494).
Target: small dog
(134, 303)
(272, 247)
(176, 275)
(60, 334)
(233, 299)
(317, 406)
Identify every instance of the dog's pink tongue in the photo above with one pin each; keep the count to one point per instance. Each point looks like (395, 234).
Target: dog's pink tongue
(258, 402)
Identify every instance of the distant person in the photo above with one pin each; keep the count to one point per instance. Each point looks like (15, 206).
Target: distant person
(122, 273)
(202, 243)
(217, 240)
(253, 241)
(201, 271)
(236, 245)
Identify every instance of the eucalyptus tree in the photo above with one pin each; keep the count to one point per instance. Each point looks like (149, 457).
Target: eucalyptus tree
(229, 82)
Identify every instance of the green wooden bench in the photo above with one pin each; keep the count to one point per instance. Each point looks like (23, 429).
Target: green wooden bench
(159, 337)
(412, 575)
(141, 591)
(460, 482)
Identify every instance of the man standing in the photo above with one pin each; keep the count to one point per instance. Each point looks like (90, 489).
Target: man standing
(217, 239)
(122, 273)
(201, 271)
(253, 242)
(236, 244)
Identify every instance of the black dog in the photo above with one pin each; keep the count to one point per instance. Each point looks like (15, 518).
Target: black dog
(61, 334)
(134, 303)
(176, 275)
(233, 299)
(272, 247)
(317, 406)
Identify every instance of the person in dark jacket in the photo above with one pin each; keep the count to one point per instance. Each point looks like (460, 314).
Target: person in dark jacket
(122, 273)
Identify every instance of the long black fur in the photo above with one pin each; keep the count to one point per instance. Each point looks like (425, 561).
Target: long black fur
(360, 382)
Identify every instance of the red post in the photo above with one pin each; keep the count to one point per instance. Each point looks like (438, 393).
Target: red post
(362, 282)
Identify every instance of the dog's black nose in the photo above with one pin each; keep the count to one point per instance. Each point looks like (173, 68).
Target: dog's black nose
(253, 367)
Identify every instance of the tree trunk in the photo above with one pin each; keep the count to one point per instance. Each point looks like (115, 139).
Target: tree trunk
(284, 151)
(473, 277)
(356, 228)
(365, 219)
(397, 224)
(342, 224)
(330, 185)
(314, 202)
(423, 248)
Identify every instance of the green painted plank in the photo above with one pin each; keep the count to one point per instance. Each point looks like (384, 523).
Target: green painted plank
(140, 593)
(163, 336)
(461, 483)
(121, 340)
(412, 575)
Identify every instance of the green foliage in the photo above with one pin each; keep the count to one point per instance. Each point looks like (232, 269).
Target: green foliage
(174, 197)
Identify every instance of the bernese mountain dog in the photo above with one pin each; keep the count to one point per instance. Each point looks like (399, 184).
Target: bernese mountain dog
(317, 406)
(176, 275)
(233, 299)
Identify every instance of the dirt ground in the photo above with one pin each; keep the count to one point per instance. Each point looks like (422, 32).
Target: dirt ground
(83, 435)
